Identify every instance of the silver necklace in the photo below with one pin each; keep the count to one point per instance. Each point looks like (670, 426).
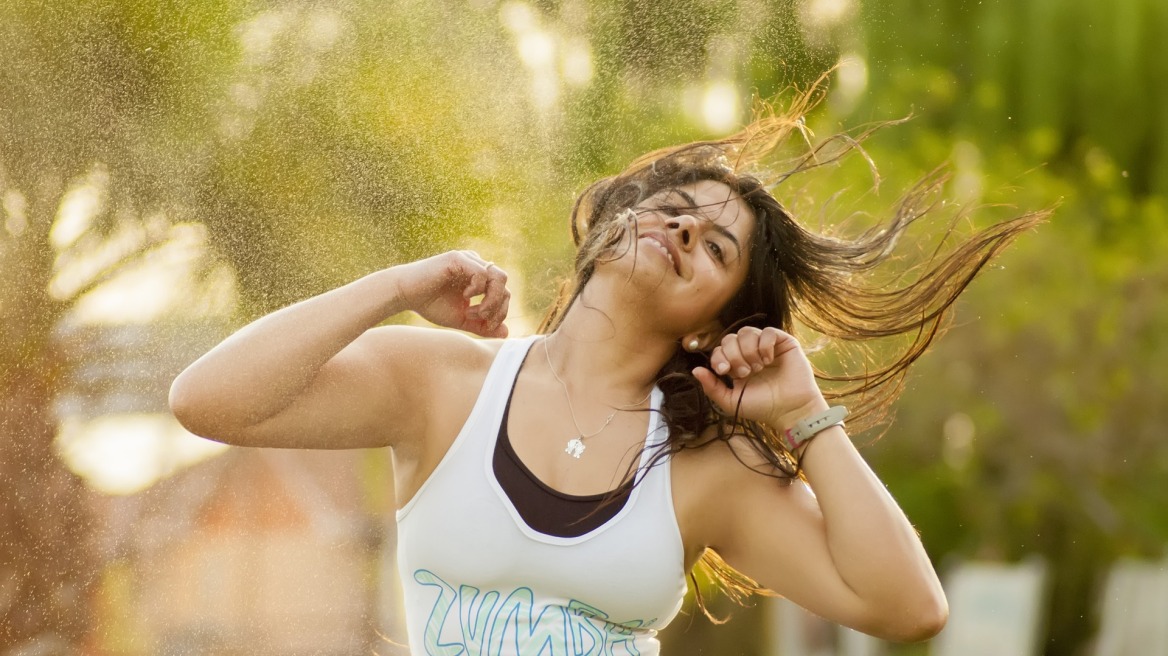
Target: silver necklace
(575, 446)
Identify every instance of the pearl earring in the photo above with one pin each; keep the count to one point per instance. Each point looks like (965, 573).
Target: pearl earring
(693, 344)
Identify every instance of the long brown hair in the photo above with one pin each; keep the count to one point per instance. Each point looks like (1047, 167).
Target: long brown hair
(799, 280)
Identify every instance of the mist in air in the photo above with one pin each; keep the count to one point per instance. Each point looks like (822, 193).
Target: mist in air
(170, 171)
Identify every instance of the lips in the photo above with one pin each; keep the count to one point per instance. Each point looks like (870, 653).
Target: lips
(666, 246)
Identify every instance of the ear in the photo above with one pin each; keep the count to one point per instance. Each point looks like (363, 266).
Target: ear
(704, 339)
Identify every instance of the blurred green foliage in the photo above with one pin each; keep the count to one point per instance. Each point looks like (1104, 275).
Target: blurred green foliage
(319, 141)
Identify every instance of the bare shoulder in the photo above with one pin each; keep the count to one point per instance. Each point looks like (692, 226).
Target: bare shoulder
(440, 376)
(436, 371)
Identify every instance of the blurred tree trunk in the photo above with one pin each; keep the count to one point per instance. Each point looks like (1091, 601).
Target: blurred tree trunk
(58, 119)
(46, 567)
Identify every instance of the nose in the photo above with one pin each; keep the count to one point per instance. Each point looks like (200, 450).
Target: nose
(685, 227)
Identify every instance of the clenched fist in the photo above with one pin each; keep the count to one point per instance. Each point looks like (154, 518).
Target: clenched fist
(773, 380)
(441, 288)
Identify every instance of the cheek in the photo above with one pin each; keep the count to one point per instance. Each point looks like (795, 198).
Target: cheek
(709, 297)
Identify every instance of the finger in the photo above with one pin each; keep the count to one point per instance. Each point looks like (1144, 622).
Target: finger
(477, 285)
(496, 313)
(732, 352)
(475, 264)
(496, 294)
(718, 361)
(786, 342)
(766, 344)
(504, 307)
(748, 345)
(463, 267)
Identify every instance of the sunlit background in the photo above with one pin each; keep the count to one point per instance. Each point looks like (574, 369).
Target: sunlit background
(169, 171)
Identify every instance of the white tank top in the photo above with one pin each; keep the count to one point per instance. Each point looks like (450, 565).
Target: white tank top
(478, 581)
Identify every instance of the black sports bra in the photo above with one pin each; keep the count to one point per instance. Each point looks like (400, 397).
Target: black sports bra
(544, 509)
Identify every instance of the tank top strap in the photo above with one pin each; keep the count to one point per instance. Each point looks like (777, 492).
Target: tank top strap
(487, 410)
(504, 370)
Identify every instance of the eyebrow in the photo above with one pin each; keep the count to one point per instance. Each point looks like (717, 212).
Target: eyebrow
(720, 229)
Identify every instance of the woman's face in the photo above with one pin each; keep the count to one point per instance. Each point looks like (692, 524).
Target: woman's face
(691, 252)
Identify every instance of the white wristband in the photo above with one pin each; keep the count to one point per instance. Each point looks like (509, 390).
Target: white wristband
(804, 430)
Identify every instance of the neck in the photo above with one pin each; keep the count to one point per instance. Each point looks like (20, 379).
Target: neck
(607, 352)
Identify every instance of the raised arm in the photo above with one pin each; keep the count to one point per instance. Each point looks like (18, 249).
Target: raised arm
(318, 375)
(839, 546)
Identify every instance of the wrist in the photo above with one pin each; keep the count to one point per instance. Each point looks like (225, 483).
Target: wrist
(787, 419)
(795, 439)
(391, 288)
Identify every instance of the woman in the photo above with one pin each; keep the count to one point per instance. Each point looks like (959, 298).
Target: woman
(554, 491)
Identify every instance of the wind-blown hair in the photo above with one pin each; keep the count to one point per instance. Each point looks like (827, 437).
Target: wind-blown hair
(798, 280)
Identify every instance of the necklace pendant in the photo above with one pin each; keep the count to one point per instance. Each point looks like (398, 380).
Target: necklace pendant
(575, 447)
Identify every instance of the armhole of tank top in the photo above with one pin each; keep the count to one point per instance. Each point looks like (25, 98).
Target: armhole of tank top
(678, 541)
(502, 366)
(665, 483)
(674, 521)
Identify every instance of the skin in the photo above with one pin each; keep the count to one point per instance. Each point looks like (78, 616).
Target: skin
(319, 374)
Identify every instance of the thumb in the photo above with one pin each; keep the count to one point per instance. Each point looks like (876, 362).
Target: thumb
(715, 389)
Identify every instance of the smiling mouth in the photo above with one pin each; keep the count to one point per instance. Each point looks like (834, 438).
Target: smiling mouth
(655, 242)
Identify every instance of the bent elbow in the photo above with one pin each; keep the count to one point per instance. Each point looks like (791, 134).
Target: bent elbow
(184, 408)
(931, 622)
(922, 622)
(192, 413)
